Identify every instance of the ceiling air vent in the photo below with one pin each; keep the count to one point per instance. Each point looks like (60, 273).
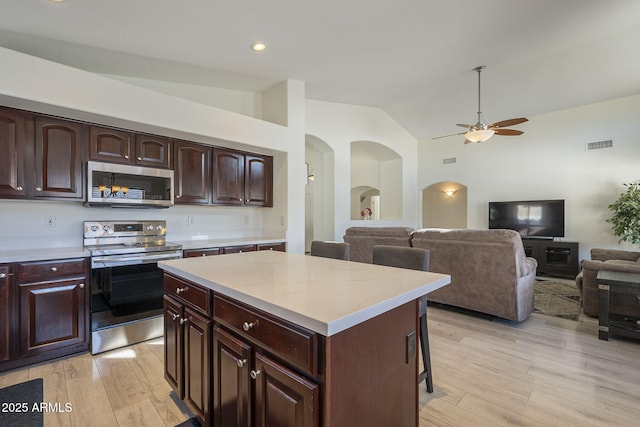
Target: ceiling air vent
(450, 161)
(599, 145)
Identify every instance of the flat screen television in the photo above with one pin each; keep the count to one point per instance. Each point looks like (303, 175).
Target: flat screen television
(535, 218)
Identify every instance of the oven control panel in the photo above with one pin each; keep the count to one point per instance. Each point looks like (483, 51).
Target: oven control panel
(95, 229)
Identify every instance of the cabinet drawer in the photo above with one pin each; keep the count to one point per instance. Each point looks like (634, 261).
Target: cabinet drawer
(51, 270)
(239, 249)
(290, 342)
(198, 297)
(272, 247)
(188, 253)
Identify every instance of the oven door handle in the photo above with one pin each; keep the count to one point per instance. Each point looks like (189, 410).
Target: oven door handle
(114, 261)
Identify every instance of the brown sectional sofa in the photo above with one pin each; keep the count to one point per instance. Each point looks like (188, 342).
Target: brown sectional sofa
(489, 270)
(363, 239)
(611, 260)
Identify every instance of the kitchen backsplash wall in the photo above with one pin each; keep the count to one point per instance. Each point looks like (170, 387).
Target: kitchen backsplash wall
(25, 224)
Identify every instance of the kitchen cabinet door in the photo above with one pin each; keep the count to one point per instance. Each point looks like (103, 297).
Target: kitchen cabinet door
(228, 177)
(58, 159)
(232, 389)
(153, 151)
(51, 315)
(197, 363)
(283, 398)
(192, 178)
(13, 146)
(5, 312)
(258, 180)
(173, 345)
(110, 145)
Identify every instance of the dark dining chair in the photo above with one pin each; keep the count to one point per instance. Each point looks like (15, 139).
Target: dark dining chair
(335, 250)
(414, 259)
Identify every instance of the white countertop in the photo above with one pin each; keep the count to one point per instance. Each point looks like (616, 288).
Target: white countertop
(41, 254)
(321, 294)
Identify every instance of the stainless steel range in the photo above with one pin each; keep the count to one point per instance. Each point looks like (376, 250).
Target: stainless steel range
(126, 283)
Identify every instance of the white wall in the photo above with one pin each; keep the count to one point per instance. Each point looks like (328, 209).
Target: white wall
(549, 161)
(338, 125)
(43, 86)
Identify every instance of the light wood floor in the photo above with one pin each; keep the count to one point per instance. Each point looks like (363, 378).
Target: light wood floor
(545, 371)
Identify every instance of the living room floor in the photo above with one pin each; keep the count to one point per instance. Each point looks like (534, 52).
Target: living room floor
(544, 371)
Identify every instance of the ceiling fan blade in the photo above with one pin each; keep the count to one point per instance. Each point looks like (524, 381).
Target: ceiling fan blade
(508, 132)
(445, 136)
(510, 122)
(464, 126)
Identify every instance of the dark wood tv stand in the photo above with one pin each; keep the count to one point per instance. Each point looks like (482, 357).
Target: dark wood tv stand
(555, 259)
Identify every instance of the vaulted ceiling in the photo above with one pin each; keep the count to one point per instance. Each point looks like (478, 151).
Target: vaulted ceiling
(412, 58)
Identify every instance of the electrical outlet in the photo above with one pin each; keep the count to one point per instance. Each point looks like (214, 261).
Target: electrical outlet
(50, 221)
(191, 220)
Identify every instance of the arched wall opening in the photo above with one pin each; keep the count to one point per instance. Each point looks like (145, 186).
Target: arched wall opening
(376, 178)
(444, 205)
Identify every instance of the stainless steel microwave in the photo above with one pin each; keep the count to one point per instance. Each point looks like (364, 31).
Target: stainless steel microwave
(115, 185)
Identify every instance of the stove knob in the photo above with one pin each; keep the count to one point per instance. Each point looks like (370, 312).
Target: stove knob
(94, 228)
(150, 227)
(158, 227)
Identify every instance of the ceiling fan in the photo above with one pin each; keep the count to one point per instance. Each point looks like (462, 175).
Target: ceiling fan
(481, 131)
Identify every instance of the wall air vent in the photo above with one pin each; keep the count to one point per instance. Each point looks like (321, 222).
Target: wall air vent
(599, 145)
(450, 161)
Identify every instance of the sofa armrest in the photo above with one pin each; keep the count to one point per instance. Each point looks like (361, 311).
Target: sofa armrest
(600, 254)
(623, 266)
(530, 266)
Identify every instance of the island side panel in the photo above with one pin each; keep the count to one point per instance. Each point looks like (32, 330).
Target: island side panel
(369, 379)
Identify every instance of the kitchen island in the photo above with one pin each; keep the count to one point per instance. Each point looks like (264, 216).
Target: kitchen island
(272, 338)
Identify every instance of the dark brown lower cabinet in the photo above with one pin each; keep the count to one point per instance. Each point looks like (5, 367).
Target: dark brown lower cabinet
(281, 397)
(188, 352)
(51, 316)
(5, 311)
(261, 370)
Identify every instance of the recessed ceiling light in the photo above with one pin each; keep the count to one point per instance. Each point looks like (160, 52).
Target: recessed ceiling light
(258, 46)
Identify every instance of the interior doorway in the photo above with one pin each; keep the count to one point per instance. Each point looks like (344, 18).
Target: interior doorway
(319, 191)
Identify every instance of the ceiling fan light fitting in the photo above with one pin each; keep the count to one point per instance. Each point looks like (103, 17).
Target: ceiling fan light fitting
(480, 135)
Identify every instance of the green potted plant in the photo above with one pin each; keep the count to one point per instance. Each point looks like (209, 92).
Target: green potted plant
(626, 214)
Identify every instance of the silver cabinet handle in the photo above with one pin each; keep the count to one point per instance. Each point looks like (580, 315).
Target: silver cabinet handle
(183, 321)
(246, 325)
(54, 269)
(3, 275)
(38, 188)
(126, 156)
(178, 196)
(174, 316)
(139, 158)
(81, 285)
(241, 362)
(181, 290)
(254, 374)
(19, 188)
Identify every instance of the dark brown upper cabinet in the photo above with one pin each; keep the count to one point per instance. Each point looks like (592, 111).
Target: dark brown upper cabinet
(58, 159)
(13, 147)
(192, 173)
(40, 157)
(110, 145)
(121, 146)
(153, 151)
(242, 178)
